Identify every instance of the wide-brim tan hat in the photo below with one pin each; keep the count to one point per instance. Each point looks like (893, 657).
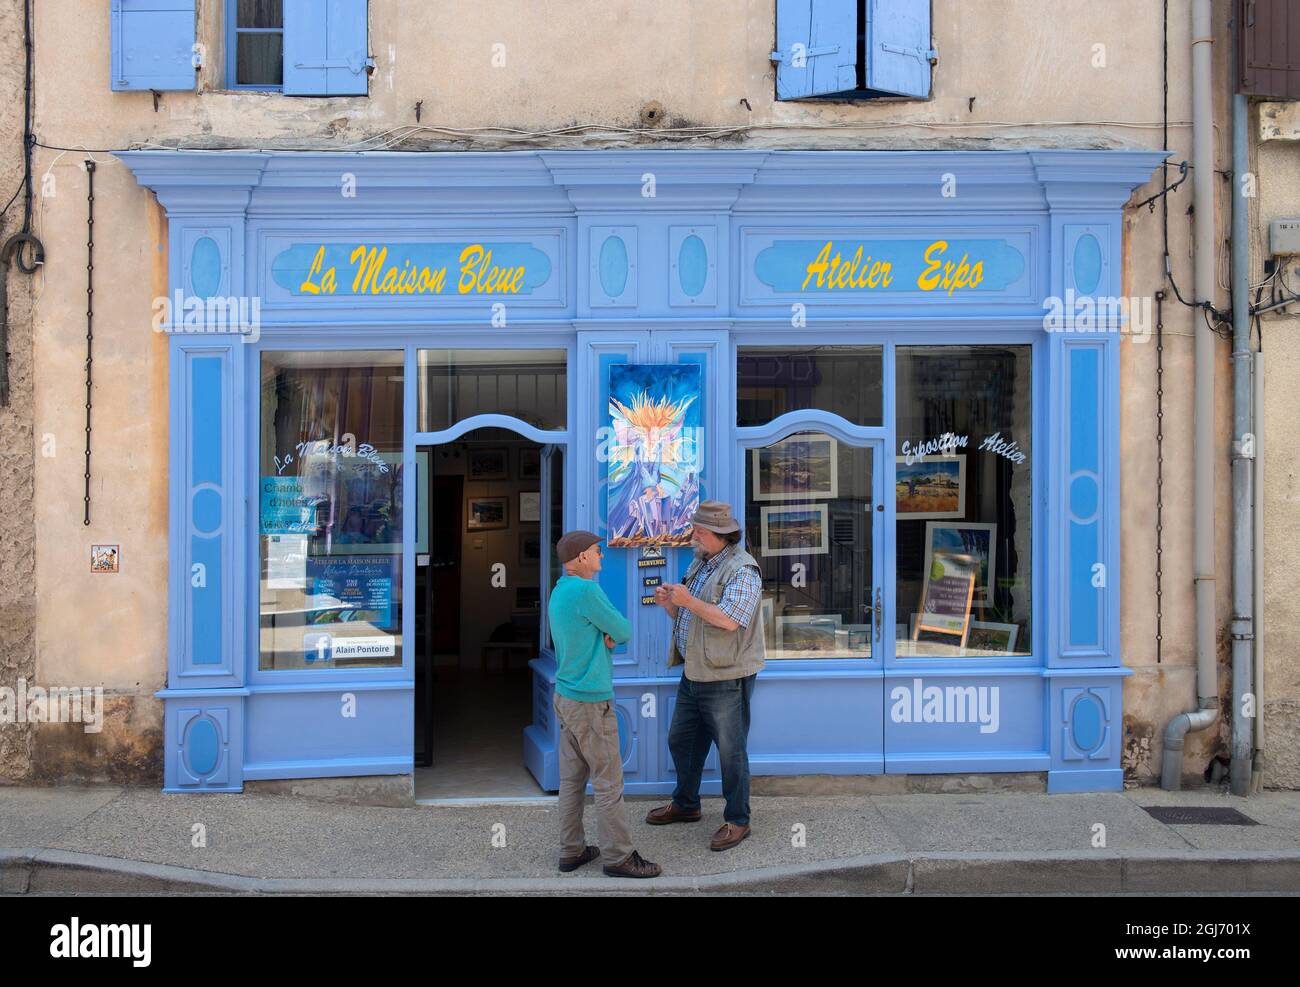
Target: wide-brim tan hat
(715, 516)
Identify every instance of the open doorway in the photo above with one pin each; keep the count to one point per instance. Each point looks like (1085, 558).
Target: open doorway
(490, 499)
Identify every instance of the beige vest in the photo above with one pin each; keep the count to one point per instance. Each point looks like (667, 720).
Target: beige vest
(713, 654)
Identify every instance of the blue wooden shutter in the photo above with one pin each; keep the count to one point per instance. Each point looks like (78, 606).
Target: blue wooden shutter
(898, 47)
(326, 49)
(816, 47)
(152, 45)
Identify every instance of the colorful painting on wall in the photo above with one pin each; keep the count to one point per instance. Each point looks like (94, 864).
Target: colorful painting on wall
(655, 454)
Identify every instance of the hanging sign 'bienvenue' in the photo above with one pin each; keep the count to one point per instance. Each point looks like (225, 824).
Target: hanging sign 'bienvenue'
(449, 269)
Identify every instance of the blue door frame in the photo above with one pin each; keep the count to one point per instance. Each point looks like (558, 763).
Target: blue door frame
(655, 256)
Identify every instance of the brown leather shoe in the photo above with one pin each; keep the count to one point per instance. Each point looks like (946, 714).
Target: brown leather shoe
(669, 813)
(634, 866)
(727, 836)
(573, 863)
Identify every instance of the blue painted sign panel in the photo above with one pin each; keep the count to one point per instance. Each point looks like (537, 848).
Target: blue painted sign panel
(935, 265)
(425, 269)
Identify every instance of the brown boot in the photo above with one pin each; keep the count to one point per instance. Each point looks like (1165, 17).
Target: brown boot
(634, 866)
(727, 836)
(669, 813)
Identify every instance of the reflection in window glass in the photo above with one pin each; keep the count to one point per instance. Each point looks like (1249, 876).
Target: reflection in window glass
(808, 503)
(964, 501)
(844, 380)
(531, 385)
(330, 512)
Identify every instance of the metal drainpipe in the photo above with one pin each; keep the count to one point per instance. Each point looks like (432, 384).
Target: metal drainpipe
(1207, 711)
(1261, 763)
(1243, 545)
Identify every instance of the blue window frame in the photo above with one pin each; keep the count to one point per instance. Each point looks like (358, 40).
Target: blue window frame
(298, 47)
(852, 49)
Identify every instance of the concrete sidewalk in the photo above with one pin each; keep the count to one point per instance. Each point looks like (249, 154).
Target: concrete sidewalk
(105, 839)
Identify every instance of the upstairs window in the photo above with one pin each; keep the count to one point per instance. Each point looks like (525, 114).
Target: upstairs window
(298, 47)
(847, 49)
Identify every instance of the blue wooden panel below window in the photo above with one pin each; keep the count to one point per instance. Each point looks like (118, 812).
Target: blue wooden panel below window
(152, 45)
(206, 576)
(326, 49)
(816, 47)
(898, 47)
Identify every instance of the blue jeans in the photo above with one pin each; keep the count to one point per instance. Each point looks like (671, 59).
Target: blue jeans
(712, 713)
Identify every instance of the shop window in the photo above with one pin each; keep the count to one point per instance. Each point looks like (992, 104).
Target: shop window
(531, 385)
(330, 511)
(844, 380)
(964, 501)
(808, 517)
(852, 49)
(299, 47)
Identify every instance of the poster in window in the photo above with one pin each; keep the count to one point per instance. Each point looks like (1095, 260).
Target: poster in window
(973, 538)
(654, 454)
(946, 595)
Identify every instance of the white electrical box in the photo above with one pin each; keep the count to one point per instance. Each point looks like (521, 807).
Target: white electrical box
(1284, 236)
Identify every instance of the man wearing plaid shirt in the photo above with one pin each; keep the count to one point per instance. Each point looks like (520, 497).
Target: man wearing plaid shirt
(718, 636)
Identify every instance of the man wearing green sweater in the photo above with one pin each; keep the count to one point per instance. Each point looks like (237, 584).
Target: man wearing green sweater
(585, 626)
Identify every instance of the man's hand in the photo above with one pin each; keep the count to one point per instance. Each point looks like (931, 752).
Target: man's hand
(678, 595)
(661, 595)
(609, 642)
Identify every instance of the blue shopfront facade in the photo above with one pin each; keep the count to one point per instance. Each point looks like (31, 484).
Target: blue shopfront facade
(769, 270)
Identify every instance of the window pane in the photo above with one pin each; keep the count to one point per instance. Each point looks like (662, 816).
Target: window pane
(330, 512)
(964, 501)
(845, 380)
(531, 385)
(258, 59)
(260, 13)
(808, 503)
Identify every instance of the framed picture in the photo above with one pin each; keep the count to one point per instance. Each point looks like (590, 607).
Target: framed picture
(530, 546)
(802, 467)
(985, 636)
(930, 487)
(530, 463)
(530, 505)
(103, 558)
(487, 464)
(975, 538)
(858, 637)
(655, 456)
(808, 633)
(486, 513)
(796, 530)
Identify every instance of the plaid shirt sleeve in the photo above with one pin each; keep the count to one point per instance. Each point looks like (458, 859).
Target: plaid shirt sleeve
(741, 596)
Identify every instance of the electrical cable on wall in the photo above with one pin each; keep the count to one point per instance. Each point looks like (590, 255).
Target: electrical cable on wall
(24, 239)
(90, 314)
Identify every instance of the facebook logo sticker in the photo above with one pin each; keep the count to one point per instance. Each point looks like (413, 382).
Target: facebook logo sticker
(318, 647)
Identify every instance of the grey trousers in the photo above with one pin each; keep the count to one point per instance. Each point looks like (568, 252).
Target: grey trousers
(589, 750)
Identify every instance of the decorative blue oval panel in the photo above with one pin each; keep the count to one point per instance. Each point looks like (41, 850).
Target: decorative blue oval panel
(1083, 497)
(205, 267)
(201, 748)
(1087, 264)
(624, 732)
(613, 266)
(207, 512)
(692, 266)
(1085, 723)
